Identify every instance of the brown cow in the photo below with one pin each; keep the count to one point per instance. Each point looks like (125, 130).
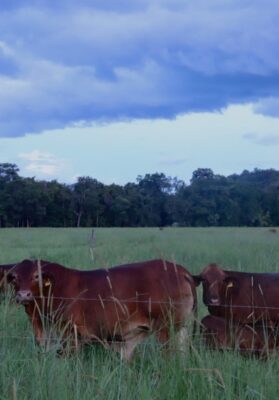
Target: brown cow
(119, 306)
(248, 339)
(241, 296)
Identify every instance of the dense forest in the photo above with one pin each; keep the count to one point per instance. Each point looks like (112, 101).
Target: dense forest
(248, 199)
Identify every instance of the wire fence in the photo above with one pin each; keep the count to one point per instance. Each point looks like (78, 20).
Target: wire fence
(137, 300)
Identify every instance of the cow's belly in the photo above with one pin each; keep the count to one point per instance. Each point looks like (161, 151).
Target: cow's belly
(124, 320)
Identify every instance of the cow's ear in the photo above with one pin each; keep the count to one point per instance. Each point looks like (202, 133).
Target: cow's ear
(48, 280)
(197, 279)
(230, 283)
(11, 277)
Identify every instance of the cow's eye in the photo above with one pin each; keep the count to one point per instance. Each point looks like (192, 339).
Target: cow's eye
(36, 277)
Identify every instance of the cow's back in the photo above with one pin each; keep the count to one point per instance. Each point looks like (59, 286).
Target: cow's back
(156, 278)
(258, 297)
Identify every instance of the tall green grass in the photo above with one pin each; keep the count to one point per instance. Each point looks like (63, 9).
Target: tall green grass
(28, 373)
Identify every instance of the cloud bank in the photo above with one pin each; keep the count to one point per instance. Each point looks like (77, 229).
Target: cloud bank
(101, 61)
(39, 162)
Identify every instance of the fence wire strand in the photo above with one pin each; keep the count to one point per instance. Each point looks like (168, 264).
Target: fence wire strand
(165, 302)
(135, 300)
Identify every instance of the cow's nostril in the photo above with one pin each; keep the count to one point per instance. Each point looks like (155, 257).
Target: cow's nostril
(214, 300)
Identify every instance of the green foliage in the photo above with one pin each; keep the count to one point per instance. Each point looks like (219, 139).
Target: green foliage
(248, 199)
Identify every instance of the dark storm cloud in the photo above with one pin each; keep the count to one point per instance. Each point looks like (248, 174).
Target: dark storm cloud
(102, 61)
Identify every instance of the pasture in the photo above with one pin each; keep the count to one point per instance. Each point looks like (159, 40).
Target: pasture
(94, 373)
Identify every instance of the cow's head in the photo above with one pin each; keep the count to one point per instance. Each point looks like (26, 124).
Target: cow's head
(30, 281)
(218, 285)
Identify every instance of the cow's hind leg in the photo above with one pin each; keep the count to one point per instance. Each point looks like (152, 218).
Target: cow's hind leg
(163, 335)
(129, 346)
(182, 339)
(178, 342)
(130, 340)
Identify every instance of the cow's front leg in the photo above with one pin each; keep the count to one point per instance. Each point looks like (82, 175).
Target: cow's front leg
(44, 335)
(36, 322)
(38, 330)
(70, 340)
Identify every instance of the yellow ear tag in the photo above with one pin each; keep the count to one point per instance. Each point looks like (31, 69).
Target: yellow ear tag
(230, 285)
(47, 283)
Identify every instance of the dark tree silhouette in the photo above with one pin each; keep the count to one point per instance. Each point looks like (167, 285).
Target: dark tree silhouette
(248, 199)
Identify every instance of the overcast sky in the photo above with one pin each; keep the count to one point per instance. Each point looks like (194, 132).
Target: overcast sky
(114, 89)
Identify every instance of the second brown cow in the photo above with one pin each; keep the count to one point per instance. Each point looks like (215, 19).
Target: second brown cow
(240, 296)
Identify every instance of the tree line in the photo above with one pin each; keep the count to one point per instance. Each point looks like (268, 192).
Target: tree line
(247, 199)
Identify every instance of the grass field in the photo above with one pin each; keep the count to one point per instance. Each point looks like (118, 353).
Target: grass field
(26, 373)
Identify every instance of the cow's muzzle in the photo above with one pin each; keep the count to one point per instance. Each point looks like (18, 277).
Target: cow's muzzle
(24, 297)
